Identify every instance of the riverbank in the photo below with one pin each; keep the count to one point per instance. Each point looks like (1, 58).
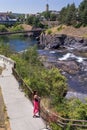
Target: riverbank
(60, 41)
(64, 37)
(69, 45)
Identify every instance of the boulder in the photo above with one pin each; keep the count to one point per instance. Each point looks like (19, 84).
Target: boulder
(70, 67)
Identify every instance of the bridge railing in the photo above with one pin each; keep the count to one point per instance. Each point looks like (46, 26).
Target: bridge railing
(47, 115)
(23, 31)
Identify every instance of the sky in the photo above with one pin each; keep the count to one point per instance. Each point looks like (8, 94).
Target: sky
(34, 6)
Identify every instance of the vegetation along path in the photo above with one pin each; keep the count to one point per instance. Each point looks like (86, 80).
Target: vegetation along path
(19, 108)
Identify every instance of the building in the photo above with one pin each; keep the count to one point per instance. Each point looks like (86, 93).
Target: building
(6, 19)
(47, 7)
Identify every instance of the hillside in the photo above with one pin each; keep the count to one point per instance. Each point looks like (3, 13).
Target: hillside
(69, 30)
(26, 27)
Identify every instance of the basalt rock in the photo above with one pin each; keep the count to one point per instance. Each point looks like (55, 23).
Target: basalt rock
(70, 67)
(61, 40)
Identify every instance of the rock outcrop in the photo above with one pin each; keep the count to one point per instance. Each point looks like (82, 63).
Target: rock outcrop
(57, 41)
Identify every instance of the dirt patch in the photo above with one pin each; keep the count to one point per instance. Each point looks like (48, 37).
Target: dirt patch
(0, 70)
(26, 27)
(4, 119)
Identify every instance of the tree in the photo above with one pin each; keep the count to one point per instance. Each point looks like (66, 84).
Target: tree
(53, 17)
(82, 12)
(3, 28)
(34, 21)
(68, 15)
(30, 19)
(21, 18)
(71, 18)
(31, 55)
(56, 84)
(47, 82)
(46, 14)
(62, 15)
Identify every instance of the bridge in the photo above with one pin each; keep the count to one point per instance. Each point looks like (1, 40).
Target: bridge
(35, 32)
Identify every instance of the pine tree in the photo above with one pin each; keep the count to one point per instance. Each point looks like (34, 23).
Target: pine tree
(82, 13)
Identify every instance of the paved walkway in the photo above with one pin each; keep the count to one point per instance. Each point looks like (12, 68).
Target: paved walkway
(19, 108)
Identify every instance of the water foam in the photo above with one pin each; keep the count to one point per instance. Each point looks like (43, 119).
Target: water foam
(70, 55)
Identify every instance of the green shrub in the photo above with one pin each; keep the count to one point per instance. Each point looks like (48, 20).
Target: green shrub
(59, 28)
(49, 31)
(3, 28)
(16, 28)
(5, 49)
(78, 25)
(55, 126)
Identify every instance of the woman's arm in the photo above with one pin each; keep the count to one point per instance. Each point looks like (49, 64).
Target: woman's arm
(36, 97)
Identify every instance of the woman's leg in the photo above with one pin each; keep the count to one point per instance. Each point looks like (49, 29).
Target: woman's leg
(36, 108)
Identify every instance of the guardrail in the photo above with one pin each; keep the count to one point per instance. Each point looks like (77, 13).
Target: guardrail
(45, 113)
(28, 91)
(62, 122)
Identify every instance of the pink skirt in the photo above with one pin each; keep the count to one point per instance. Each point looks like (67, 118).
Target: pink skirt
(36, 107)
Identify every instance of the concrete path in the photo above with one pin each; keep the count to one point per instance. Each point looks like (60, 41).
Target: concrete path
(19, 108)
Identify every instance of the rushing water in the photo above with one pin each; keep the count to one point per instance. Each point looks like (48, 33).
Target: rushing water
(77, 82)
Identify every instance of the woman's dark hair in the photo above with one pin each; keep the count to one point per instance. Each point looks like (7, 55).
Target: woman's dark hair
(34, 92)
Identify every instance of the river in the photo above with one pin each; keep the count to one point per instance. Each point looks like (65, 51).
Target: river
(18, 42)
(77, 82)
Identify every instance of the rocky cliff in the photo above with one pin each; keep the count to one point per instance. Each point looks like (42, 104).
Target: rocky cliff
(56, 41)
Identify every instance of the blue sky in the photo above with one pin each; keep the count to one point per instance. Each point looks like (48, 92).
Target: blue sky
(34, 6)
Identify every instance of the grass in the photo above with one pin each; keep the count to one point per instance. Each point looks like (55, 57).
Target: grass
(68, 30)
(2, 116)
(85, 35)
(0, 70)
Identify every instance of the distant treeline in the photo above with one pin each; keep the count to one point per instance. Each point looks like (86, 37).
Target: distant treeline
(71, 15)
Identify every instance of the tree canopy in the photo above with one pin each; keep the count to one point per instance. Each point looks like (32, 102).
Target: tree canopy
(34, 21)
(71, 15)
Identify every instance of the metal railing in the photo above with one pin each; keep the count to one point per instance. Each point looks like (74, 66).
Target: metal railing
(24, 31)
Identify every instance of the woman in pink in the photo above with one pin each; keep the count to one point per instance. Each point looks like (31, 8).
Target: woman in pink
(36, 102)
